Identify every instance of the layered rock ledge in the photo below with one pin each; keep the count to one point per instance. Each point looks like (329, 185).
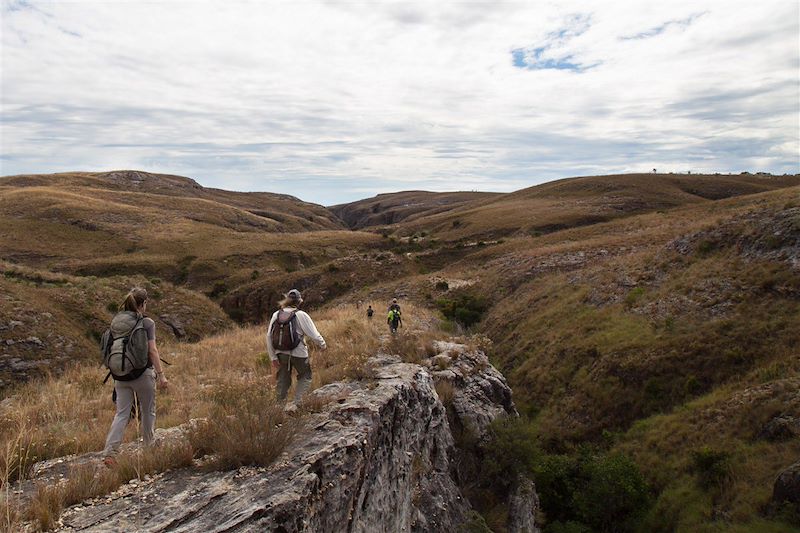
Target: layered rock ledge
(379, 457)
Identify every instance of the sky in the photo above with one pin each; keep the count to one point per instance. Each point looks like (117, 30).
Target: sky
(337, 101)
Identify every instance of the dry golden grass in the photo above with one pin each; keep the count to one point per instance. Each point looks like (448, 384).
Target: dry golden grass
(89, 481)
(246, 426)
(214, 379)
(446, 392)
(224, 380)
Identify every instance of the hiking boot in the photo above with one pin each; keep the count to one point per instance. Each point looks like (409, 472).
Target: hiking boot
(291, 408)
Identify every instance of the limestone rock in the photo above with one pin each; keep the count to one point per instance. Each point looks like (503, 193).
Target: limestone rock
(377, 459)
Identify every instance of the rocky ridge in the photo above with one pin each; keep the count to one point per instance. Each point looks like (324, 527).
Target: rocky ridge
(380, 456)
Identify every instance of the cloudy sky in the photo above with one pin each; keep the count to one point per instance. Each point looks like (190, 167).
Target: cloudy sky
(336, 101)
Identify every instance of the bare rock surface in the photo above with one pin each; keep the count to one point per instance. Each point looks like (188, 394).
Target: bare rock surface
(786, 491)
(379, 457)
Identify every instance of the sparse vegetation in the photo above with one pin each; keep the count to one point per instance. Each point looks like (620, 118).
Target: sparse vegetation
(246, 426)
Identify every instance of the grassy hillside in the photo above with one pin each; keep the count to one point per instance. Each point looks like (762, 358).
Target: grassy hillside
(162, 226)
(584, 201)
(49, 321)
(670, 337)
(399, 207)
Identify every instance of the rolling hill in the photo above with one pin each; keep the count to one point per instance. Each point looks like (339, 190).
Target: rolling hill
(649, 317)
(161, 226)
(395, 208)
(582, 201)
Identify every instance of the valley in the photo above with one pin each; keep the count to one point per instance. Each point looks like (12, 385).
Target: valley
(650, 317)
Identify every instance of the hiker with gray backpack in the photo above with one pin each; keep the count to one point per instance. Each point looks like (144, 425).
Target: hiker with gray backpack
(129, 353)
(286, 344)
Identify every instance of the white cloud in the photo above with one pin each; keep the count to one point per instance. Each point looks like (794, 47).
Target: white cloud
(326, 100)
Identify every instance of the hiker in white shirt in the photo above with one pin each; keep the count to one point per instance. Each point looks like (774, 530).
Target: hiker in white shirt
(286, 344)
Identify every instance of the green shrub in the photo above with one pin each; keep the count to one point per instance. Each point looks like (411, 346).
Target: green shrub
(219, 289)
(712, 467)
(514, 450)
(595, 492)
(634, 296)
(615, 495)
(705, 247)
(464, 308)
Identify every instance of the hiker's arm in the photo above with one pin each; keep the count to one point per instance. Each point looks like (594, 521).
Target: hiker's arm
(152, 352)
(310, 330)
(270, 350)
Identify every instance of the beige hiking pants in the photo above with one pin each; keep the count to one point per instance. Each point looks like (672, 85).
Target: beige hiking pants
(303, 369)
(144, 387)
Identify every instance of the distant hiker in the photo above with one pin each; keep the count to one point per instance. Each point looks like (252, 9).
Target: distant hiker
(394, 305)
(358, 304)
(370, 312)
(394, 320)
(131, 357)
(286, 345)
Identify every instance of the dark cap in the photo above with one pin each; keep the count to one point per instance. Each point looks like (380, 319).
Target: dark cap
(294, 295)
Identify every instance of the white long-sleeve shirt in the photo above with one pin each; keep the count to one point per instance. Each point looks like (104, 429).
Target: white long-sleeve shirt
(306, 328)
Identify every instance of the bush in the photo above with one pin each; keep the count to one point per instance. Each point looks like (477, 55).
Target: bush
(219, 289)
(712, 467)
(464, 309)
(596, 492)
(442, 285)
(514, 451)
(634, 296)
(615, 494)
(247, 426)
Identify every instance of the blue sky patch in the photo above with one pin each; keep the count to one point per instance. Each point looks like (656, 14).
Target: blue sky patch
(661, 28)
(532, 59)
(536, 57)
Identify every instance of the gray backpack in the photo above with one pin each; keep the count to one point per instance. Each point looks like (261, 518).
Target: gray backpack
(124, 346)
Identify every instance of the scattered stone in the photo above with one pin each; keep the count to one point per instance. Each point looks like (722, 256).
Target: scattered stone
(175, 324)
(783, 427)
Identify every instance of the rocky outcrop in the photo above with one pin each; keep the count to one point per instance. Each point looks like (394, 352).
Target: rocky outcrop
(522, 505)
(786, 491)
(379, 457)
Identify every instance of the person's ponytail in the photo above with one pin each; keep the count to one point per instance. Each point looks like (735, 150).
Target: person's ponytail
(135, 300)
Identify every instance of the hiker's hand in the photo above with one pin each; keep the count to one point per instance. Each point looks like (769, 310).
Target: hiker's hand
(276, 365)
(163, 384)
